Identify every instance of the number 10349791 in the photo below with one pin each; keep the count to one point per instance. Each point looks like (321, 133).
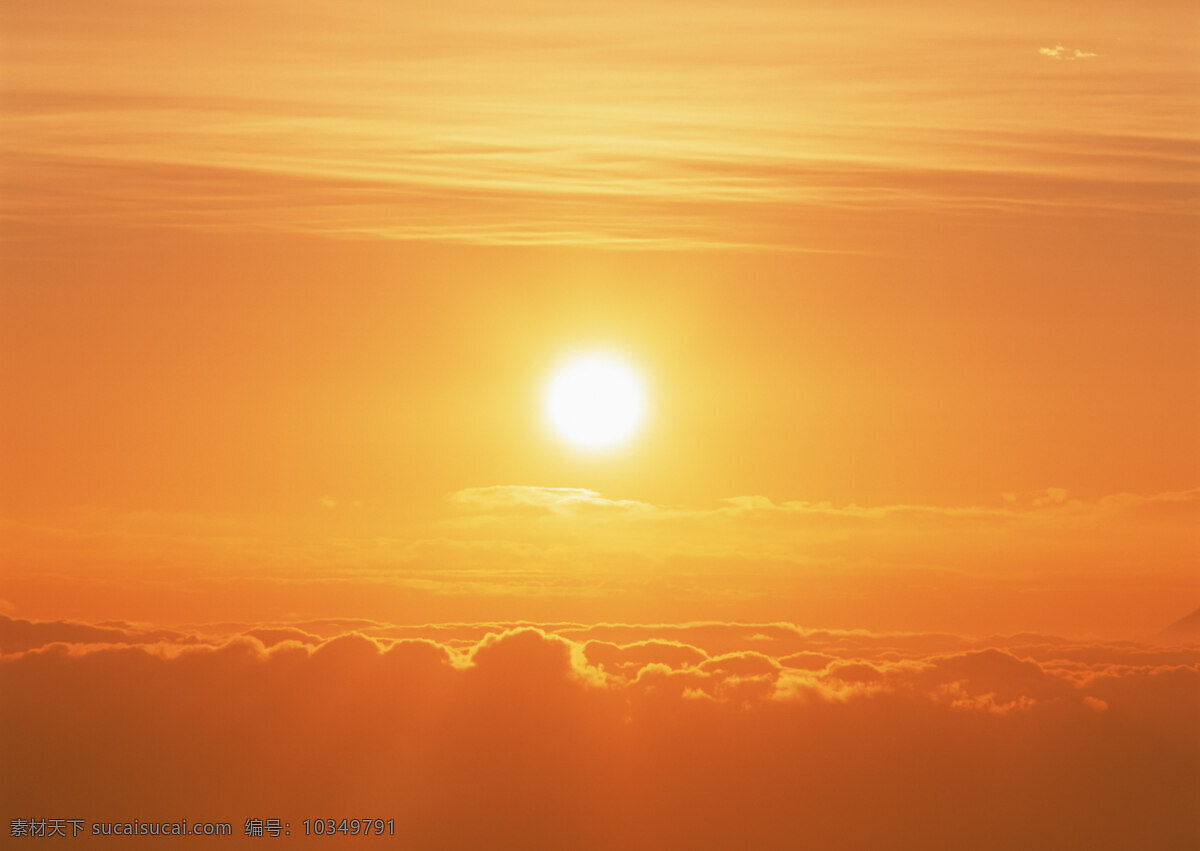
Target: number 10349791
(350, 827)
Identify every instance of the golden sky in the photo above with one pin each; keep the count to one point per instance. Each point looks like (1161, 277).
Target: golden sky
(912, 292)
(910, 289)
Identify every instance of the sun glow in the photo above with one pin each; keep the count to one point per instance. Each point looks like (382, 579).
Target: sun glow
(594, 401)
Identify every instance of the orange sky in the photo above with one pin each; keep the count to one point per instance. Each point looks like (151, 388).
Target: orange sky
(913, 292)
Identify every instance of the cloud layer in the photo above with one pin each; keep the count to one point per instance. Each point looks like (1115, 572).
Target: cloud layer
(707, 735)
(1036, 560)
(604, 124)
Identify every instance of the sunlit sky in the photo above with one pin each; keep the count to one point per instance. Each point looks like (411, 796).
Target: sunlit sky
(912, 292)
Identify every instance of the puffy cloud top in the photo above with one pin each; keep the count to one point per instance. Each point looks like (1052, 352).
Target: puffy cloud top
(711, 735)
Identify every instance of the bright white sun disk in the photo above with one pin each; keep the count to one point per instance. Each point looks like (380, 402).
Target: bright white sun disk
(594, 401)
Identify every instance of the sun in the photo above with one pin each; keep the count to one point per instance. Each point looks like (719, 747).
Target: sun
(594, 401)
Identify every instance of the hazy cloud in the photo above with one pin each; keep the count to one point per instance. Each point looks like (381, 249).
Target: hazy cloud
(508, 547)
(534, 501)
(17, 634)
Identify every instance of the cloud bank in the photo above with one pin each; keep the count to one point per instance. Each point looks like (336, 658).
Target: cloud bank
(705, 735)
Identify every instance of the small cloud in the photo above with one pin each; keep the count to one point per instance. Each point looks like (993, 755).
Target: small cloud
(1065, 53)
(271, 636)
(533, 501)
(749, 503)
(327, 502)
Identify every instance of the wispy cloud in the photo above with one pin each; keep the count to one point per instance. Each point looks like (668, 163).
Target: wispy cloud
(606, 125)
(535, 501)
(576, 549)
